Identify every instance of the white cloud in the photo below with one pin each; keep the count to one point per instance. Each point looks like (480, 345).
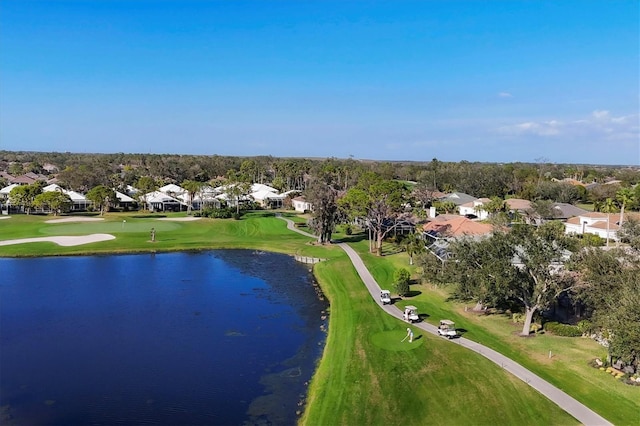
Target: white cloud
(505, 95)
(543, 128)
(599, 124)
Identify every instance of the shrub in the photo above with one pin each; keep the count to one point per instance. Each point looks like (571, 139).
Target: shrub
(402, 278)
(592, 240)
(348, 229)
(564, 330)
(518, 318)
(584, 326)
(224, 213)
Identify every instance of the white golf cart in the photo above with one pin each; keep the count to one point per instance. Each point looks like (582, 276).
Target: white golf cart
(385, 297)
(410, 314)
(447, 329)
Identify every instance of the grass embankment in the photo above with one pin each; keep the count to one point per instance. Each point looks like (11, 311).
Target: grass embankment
(567, 368)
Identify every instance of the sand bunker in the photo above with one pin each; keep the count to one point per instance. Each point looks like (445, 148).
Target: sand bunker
(74, 219)
(181, 219)
(5, 217)
(66, 241)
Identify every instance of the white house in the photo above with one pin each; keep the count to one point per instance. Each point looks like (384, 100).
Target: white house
(300, 204)
(268, 198)
(78, 201)
(159, 201)
(4, 192)
(206, 197)
(457, 198)
(173, 190)
(602, 224)
(124, 200)
(474, 208)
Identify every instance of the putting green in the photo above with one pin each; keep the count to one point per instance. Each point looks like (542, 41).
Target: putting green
(392, 340)
(110, 227)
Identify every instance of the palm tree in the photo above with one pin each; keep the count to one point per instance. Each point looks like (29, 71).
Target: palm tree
(625, 196)
(413, 244)
(236, 188)
(609, 206)
(192, 187)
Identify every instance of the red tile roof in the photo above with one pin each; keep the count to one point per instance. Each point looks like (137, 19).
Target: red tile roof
(518, 204)
(457, 226)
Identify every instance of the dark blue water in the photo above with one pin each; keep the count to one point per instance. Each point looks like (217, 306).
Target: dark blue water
(208, 338)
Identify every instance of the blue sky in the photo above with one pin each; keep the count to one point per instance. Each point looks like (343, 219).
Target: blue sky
(497, 81)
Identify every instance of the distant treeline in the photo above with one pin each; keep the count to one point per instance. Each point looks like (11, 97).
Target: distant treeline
(534, 180)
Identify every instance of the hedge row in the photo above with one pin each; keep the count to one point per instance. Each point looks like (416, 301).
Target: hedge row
(565, 330)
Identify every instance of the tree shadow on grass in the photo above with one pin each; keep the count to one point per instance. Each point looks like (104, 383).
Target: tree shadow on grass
(460, 331)
(350, 238)
(423, 317)
(413, 293)
(390, 249)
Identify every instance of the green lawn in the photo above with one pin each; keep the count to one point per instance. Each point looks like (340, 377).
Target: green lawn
(586, 206)
(567, 368)
(255, 231)
(365, 375)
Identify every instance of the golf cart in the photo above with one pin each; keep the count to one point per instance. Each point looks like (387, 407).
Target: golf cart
(447, 329)
(385, 297)
(410, 314)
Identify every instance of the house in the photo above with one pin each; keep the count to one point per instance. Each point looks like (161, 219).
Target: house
(173, 190)
(78, 201)
(401, 226)
(604, 225)
(564, 211)
(50, 168)
(267, 196)
(257, 187)
(6, 176)
(300, 204)
(517, 205)
(124, 200)
(440, 230)
(159, 201)
(4, 192)
(458, 198)
(206, 197)
(473, 209)
(454, 226)
(131, 191)
(4, 196)
(23, 180)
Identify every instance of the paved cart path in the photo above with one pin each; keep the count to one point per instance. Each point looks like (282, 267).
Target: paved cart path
(578, 410)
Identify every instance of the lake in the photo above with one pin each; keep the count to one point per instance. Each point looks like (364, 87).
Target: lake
(203, 338)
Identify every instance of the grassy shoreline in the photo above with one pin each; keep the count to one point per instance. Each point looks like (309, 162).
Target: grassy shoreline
(362, 377)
